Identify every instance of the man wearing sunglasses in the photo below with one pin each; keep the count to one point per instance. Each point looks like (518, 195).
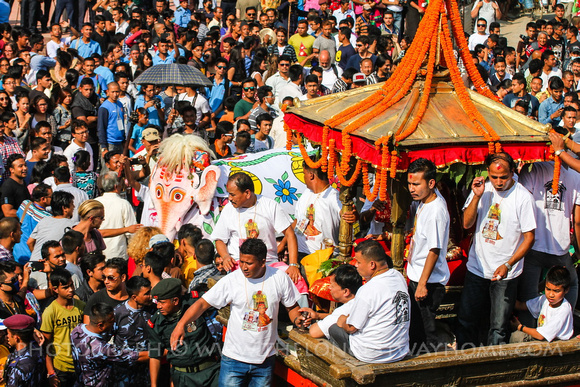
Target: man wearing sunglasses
(480, 37)
(114, 292)
(11, 303)
(248, 102)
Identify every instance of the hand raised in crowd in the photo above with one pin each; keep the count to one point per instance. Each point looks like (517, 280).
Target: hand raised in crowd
(478, 186)
(229, 263)
(133, 229)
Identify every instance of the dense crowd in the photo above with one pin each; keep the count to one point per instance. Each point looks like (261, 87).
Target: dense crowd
(91, 291)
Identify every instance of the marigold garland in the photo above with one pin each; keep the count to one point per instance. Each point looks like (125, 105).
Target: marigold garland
(353, 178)
(304, 153)
(464, 53)
(556, 178)
(324, 155)
(385, 160)
(288, 136)
(370, 195)
(394, 161)
(331, 157)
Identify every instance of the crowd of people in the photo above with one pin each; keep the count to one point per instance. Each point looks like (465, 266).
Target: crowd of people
(92, 293)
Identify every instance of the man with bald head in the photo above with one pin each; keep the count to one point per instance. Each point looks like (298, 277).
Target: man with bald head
(330, 71)
(502, 211)
(111, 121)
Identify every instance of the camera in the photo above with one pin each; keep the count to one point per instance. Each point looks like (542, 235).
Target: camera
(157, 103)
(525, 39)
(134, 118)
(134, 161)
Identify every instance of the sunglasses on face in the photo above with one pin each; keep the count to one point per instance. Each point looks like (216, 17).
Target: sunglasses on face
(110, 278)
(482, 25)
(284, 64)
(221, 67)
(249, 88)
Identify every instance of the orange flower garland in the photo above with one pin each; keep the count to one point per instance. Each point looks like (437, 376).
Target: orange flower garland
(324, 155)
(331, 157)
(459, 35)
(556, 178)
(353, 178)
(288, 136)
(370, 195)
(394, 161)
(304, 153)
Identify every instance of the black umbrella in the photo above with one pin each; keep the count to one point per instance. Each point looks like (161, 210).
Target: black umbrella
(173, 74)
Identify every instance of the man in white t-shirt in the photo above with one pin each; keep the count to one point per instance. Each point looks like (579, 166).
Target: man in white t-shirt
(80, 134)
(502, 211)
(249, 216)
(377, 328)
(427, 268)
(254, 294)
(199, 102)
(317, 212)
(553, 214)
(345, 281)
(480, 37)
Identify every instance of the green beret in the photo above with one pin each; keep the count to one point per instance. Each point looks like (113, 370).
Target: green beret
(167, 288)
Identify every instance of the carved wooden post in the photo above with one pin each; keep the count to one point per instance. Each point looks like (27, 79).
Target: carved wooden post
(345, 232)
(400, 201)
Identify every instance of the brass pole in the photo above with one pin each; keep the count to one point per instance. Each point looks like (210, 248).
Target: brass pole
(400, 202)
(345, 231)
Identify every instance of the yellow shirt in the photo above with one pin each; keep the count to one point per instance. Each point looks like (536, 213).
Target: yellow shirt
(189, 267)
(303, 46)
(59, 321)
(4, 352)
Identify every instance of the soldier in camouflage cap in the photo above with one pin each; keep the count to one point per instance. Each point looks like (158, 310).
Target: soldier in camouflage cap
(196, 361)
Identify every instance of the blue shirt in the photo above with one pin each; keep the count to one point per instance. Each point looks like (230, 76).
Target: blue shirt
(41, 62)
(106, 74)
(153, 115)
(182, 16)
(137, 136)
(216, 95)
(100, 84)
(547, 108)
(4, 12)
(111, 123)
(157, 60)
(86, 49)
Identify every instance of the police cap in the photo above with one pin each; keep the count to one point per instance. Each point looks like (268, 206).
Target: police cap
(167, 288)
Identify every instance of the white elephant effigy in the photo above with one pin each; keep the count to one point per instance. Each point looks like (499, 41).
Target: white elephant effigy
(186, 187)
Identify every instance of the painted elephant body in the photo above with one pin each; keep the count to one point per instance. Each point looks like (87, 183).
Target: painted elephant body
(195, 197)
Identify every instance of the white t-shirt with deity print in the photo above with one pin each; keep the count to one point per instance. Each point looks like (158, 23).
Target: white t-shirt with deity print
(253, 323)
(263, 220)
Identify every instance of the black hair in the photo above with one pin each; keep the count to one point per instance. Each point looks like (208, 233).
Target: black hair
(503, 156)
(166, 250)
(155, 261)
(347, 277)
(373, 251)
(559, 276)
(311, 78)
(62, 174)
(255, 247)
(555, 83)
(242, 181)
(12, 158)
(205, 252)
(223, 127)
(295, 72)
(41, 170)
(265, 117)
(39, 192)
(82, 159)
(263, 92)
(37, 142)
(60, 201)
(44, 251)
(7, 267)
(71, 240)
(118, 264)
(135, 283)
(109, 155)
(535, 66)
(426, 166)
(60, 276)
(100, 312)
(317, 171)
(90, 261)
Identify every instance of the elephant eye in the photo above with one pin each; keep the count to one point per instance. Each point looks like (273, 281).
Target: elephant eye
(159, 191)
(177, 195)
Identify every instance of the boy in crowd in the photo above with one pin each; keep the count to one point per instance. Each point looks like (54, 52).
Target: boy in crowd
(58, 321)
(552, 310)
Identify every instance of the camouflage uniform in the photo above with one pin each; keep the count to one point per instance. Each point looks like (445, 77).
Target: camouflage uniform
(94, 357)
(196, 362)
(25, 367)
(130, 333)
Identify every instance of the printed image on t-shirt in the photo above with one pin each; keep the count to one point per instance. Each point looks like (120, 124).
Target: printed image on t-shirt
(490, 228)
(252, 231)
(541, 320)
(302, 51)
(551, 201)
(401, 301)
(311, 230)
(256, 320)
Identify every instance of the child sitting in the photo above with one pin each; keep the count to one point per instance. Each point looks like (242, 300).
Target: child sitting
(553, 311)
